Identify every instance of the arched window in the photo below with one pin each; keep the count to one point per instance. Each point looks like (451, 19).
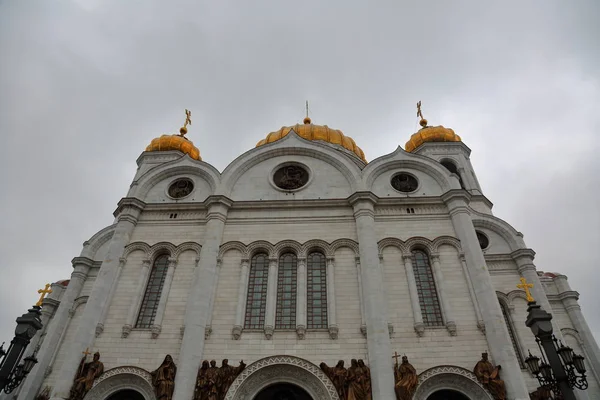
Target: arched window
(316, 291)
(256, 300)
(450, 166)
(428, 298)
(511, 333)
(285, 315)
(153, 290)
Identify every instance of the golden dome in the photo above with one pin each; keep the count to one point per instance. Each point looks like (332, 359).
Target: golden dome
(175, 142)
(309, 131)
(430, 134)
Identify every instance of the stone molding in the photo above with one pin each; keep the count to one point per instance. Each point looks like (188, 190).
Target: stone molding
(432, 246)
(275, 250)
(91, 246)
(151, 252)
(121, 378)
(280, 369)
(450, 377)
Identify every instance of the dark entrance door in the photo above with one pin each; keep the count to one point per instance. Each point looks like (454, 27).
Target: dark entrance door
(127, 394)
(283, 391)
(447, 395)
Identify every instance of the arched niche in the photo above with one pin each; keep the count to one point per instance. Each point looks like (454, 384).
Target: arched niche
(450, 378)
(120, 379)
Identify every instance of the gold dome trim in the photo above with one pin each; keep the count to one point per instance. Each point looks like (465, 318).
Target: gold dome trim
(310, 131)
(431, 134)
(174, 142)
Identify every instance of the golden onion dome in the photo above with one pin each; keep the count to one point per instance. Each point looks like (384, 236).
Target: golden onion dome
(430, 134)
(174, 142)
(309, 131)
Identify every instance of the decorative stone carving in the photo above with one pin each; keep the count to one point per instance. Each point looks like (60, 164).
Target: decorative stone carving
(182, 331)
(339, 377)
(269, 332)
(301, 332)
(163, 379)
(270, 370)
(363, 330)
(333, 332)
(227, 375)
(236, 332)
(451, 378)
(481, 326)
(121, 378)
(126, 330)
(489, 377)
(420, 329)
(390, 329)
(207, 332)
(405, 376)
(451, 326)
(155, 331)
(99, 329)
(85, 377)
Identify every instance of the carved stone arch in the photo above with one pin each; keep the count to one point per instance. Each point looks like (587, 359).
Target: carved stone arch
(517, 293)
(91, 246)
(450, 377)
(573, 333)
(196, 247)
(122, 378)
(503, 298)
(234, 245)
(170, 169)
(288, 245)
(496, 225)
(446, 240)
(349, 243)
(421, 243)
(290, 145)
(161, 248)
(258, 247)
(393, 242)
(135, 246)
(281, 369)
(78, 302)
(429, 167)
(315, 245)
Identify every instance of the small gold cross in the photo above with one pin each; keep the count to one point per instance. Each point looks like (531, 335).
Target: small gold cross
(396, 356)
(86, 352)
(526, 286)
(43, 293)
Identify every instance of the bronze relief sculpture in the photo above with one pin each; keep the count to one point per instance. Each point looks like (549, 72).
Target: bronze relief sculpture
(86, 374)
(406, 379)
(489, 377)
(353, 383)
(212, 383)
(163, 379)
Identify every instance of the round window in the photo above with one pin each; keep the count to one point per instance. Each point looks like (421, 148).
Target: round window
(484, 242)
(181, 188)
(403, 182)
(290, 177)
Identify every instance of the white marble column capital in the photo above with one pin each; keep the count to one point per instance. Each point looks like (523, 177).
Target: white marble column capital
(435, 257)
(172, 263)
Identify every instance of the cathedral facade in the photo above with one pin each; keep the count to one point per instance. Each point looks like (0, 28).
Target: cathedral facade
(300, 254)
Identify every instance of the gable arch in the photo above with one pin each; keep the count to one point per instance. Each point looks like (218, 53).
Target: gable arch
(136, 246)
(503, 298)
(419, 243)
(91, 246)
(393, 242)
(573, 333)
(121, 378)
(516, 294)
(260, 246)
(450, 377)
(161, 248)
(316, 245)
(288, 246)
(195, 247)
(349, 243)
(500, 227)
(234, 245)
(446, 240)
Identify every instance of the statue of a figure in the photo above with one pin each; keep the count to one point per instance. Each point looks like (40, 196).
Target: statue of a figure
(227, 375)
(86, 374)
(541, 394)
(406, 379)
(338, 376)
(163, 379)
(201, 387)
(356, 377)
(489, 377)
(366, 378)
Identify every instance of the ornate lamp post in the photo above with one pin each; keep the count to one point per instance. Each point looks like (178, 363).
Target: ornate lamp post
(11, 372)
(560, 370)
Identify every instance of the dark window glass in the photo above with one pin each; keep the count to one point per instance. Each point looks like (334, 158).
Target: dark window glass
(450, 166)
(256, 301)
(153, 290)
(430, 304)
(484, 242)
(512, 335)
(316, 291)
(285, 315)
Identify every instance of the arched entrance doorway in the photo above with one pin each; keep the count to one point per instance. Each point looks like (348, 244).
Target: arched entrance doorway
(127, 394)
(283, 391)
(447, 395)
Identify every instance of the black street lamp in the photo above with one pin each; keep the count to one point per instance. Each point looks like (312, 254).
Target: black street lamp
(12, 374)
(560, 370)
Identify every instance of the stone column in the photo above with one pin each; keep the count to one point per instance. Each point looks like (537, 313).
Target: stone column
(499, 343)
(128, 212)
(331, 317)
(113, 288)
(414, 295)
(463, 263)
(570, 299)
(301, 298)
(164, 296)
(197, 310)
(271, 305)
(140, 289)
(378, 339)
(208, 330)
(31, 385)
(363, 324)
(242, 296)
(441, 292)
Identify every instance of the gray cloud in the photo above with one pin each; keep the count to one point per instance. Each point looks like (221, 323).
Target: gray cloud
(85, 85)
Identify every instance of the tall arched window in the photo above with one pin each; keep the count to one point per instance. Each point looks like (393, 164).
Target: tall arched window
(285, 315)
(256, 300)
(153, 290)
(428, 298)
(450, 166)
(511, 333)
(316, 291)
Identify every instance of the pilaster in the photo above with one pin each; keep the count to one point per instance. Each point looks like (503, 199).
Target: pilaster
(271, 305)
(134, 307)
(208, 330)
(331, 306)
(440, 284)
(236, 332)
(419, 326)
(301, 299)
(113, 287)
(164, 296)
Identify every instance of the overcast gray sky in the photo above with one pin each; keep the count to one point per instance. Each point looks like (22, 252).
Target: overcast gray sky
(85, 85)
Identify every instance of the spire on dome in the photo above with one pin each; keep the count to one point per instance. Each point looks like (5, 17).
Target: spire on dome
(429, 133)
(177, 142)
(307, 118)
(188, 121)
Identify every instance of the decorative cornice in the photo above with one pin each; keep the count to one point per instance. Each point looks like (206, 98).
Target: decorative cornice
(218, 199)
(363, 196)
(87, 262)
(131, 202)
(456, 195)
(523, 253)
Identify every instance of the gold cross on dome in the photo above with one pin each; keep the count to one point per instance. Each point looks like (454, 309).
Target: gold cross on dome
(396, 356)
(188, 118)
(526, 286)
(86, 352)
(43, 292)
(419, 112)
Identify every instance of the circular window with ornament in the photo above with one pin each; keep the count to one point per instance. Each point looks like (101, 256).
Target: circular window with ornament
(405, 183)
(181, 188)
(291, 177)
